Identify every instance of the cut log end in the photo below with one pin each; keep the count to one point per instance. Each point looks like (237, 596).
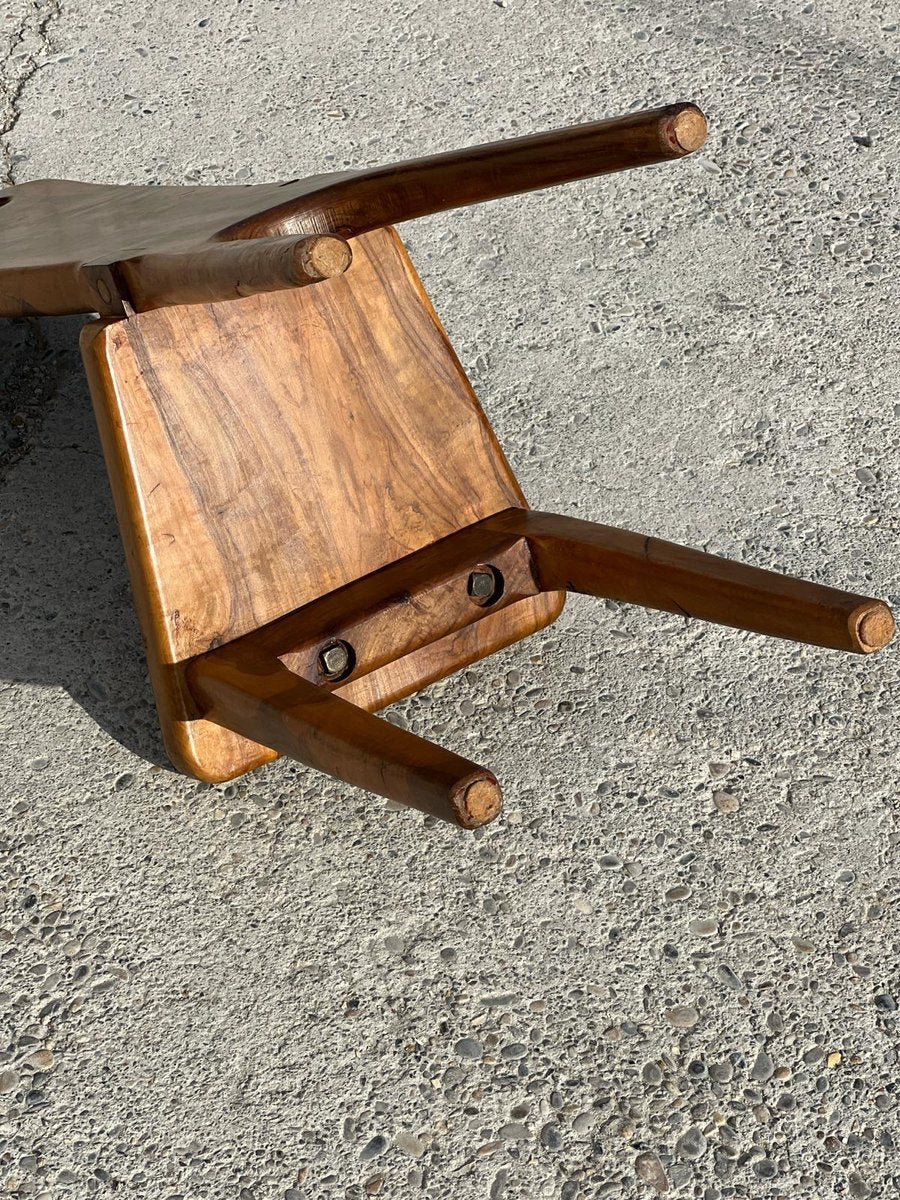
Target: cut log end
(872, 626)
(478, 801)
(686, 131)
(322, 257)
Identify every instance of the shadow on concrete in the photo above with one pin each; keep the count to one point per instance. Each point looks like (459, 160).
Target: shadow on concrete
(66, 616)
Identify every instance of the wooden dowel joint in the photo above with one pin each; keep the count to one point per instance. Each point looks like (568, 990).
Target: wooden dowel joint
(321, 256)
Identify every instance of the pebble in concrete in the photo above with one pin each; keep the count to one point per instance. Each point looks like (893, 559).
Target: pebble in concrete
(279, 989)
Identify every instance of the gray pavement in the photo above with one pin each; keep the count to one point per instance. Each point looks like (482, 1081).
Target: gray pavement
(673, 962)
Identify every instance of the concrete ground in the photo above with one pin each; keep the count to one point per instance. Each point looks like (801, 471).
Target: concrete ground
(673, 963)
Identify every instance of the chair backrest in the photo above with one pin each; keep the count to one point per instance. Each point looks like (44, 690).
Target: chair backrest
(62, 244)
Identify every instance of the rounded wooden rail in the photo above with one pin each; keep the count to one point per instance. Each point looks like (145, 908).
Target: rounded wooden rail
(259, 698)
(583, 556)
(362, 200)
(230, 270)
(250, 686)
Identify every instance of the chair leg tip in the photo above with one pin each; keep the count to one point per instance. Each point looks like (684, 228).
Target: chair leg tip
(477, 801)
(874, 626)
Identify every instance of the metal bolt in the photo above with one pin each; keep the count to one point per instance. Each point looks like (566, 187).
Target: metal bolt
(336, 660)
(485, 585)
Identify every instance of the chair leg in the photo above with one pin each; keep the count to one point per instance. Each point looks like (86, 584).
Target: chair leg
(258, 697)
(600, 560)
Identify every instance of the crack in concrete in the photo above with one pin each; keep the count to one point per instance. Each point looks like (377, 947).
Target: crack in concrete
(29, 376)
(34, 31)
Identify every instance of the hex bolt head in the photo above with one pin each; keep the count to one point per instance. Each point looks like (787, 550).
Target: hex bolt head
(335, 661)
(485, 585)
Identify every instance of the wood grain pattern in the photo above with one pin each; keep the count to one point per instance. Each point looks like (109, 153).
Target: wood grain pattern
(268, 451)
(404, 606)
(451, 653)
(317, 516)
(583, 556)
(64, 245)
(252, 686)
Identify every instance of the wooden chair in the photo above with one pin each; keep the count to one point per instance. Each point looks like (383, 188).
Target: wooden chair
(317, 516)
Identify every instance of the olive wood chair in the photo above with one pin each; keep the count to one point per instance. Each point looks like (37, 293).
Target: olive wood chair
(317, 516)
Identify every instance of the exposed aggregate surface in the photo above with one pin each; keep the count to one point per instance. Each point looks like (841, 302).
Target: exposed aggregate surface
(673, 965)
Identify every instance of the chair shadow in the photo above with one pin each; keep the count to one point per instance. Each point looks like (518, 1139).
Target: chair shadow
(65, 600)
